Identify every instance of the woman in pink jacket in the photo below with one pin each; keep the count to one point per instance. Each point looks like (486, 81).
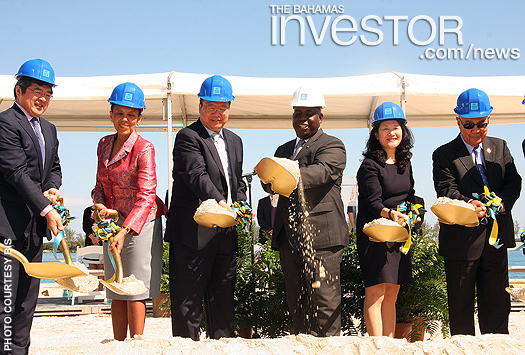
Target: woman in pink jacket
(126, 182)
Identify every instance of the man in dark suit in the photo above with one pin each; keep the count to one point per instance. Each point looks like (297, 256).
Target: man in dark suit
(472, 261)
(314, 299)
(207, 165)
(30, 176)
(266, 216)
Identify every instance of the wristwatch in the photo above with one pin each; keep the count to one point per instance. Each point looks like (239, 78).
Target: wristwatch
(128, 230)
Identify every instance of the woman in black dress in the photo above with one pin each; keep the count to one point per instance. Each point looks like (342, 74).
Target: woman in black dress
(385, 181)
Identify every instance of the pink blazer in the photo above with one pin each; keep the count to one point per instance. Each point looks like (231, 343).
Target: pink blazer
(128, 182)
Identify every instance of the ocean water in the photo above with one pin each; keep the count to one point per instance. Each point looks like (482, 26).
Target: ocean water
(516, 258)
(50, 258)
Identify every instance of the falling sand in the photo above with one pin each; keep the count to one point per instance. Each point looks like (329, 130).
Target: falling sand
(303, 234)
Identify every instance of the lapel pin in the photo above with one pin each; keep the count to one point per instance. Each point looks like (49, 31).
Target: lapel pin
(489, 150)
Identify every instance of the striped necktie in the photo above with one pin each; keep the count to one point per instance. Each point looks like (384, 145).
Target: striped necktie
(481, 167)
(297, 148)
(36, 127)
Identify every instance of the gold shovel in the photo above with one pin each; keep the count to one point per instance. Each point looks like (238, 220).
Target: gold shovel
(134, 286)
(51, 271)
(84, 284)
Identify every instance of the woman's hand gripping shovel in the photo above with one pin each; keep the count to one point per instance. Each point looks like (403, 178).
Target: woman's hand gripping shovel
(106, 229)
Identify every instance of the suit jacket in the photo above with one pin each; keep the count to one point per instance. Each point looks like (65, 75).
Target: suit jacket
(198, 175)
(456, 176)
(128, 181)
(23, 178)
(321, 162)
(264, 215)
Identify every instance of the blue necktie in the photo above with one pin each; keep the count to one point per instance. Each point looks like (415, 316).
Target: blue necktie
(481, 167)
(36, 127)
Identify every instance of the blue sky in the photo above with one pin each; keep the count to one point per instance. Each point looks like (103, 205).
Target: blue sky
(234, 38)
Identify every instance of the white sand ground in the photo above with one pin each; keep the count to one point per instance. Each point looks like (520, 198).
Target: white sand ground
(92, 334)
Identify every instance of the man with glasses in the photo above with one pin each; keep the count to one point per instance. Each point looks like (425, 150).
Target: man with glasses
(207, 165)
(30, 176)
(475, 260)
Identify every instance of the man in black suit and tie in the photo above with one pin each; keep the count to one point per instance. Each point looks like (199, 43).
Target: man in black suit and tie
(314, 300)
(474, 261)
(207, 165)
(30, 176)
(266, 215)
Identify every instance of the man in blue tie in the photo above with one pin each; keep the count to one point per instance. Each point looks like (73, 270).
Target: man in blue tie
(474, 261)
(30, 176)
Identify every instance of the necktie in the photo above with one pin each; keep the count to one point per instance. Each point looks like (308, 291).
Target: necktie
(36, 127)
(223, 155)
(297, 148)
(481, 167)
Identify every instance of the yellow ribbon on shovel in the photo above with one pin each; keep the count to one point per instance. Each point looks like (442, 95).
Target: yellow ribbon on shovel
(492, 202)
(105, 230)
(412, 211)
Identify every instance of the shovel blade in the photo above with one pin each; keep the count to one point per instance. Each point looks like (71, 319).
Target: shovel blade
(52, 271)
(114, 286)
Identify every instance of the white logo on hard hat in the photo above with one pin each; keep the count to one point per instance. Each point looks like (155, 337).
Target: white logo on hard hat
(388, 111)
(303, 97)
(216, 90)
(474, 106)
(45, 73)
(128, 96)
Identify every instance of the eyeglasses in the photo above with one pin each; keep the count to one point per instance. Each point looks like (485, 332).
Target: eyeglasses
(40, 93)
(219, 110)
(471, 125)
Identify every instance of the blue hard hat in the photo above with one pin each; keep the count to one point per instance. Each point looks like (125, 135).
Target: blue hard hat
(216, 88)
(37, 69)
(473, 103)
(129, 95)
(388, 111)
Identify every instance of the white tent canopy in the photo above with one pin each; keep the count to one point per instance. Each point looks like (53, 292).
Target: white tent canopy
(80, 103)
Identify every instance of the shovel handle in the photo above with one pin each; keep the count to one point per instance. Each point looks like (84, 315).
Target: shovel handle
(113, 214)
(14, 253)
(119, 273)
(65, 251)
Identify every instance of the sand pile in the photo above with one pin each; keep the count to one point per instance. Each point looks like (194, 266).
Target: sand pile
(452, 211)
(83, 284)
(92, 334)
(210, 214)
(517, 293)
(130, 286)
(211, 206)
(449, 201)
(382, 222)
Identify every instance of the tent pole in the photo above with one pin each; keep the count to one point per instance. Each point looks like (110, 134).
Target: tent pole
(403, 94)
(403, 85)
(170, 132)
(371, 113)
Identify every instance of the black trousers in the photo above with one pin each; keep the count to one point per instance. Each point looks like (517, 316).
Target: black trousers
(19, 295)
(314, 310)
(210, 274)
(489, 274)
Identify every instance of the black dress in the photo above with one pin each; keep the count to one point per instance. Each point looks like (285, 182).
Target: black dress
(381, 187)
